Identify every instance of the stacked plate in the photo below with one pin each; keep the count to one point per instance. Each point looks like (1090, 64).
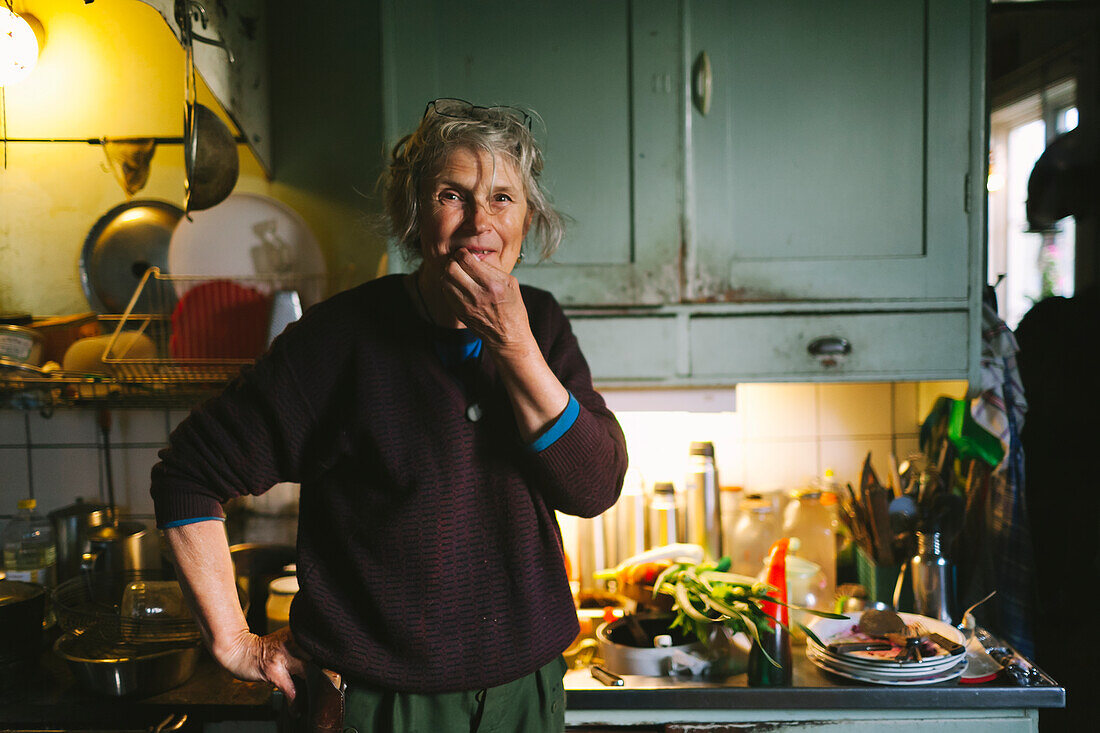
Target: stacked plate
(882, 667)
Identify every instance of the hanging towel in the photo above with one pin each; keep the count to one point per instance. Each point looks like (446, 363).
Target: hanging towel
(1005, 548)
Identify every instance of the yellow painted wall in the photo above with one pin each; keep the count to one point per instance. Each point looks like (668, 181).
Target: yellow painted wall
(113, 68)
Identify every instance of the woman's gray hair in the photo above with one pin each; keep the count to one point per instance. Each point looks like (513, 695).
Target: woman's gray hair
(450, 125)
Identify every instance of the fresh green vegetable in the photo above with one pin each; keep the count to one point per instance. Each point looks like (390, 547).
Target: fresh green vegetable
(704, 595)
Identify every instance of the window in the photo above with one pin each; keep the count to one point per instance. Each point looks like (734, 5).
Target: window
(1027, 266)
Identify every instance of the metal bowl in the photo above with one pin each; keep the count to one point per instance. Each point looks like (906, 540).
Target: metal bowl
(120, 669)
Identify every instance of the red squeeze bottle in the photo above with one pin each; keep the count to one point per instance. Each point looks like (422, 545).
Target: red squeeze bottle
(776, 576)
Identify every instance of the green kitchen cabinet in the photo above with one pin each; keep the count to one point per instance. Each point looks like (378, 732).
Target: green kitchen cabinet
(745, 177)
(604, 80)
(834, 160)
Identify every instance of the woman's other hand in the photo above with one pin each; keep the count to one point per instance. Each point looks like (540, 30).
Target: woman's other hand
(273, 658)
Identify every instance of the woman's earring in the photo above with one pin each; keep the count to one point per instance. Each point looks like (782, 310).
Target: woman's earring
(520, 258)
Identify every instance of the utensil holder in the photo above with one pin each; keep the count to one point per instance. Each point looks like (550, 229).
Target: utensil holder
(879, 580)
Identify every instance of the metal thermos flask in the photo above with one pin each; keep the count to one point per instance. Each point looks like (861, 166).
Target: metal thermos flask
(663, 529)
(931, 578)
(704, 516)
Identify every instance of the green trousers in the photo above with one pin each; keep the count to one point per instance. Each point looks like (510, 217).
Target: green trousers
(532, 704)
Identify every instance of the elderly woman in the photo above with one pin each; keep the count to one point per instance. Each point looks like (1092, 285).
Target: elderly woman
(435, 422)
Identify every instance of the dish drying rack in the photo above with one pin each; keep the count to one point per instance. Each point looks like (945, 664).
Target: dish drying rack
(194, 330)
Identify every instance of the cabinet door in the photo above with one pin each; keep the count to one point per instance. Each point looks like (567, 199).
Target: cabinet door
(603, 77)
(833, 162)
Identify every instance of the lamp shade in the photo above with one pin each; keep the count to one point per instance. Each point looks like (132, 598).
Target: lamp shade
(18, 47)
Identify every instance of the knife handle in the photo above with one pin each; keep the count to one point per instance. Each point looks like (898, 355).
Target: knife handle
(608, 678)
(951, 647)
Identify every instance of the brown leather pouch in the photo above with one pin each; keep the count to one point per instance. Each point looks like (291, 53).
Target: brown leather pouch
(326, 699)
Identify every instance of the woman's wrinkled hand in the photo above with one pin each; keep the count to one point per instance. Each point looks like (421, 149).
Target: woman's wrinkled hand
(488, 300)
(273, 658)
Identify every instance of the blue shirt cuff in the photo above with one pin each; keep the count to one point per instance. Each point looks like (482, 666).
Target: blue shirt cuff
(562, 424)
(181, 522)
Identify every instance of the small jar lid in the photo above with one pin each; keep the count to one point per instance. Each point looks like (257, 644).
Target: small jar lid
(285, 586)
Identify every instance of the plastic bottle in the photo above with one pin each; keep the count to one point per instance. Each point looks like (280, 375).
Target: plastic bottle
(703, 514)
(757, 528)
(30, 554)
(814, 524)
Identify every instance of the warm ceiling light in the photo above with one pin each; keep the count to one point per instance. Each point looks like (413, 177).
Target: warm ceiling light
(18, 47)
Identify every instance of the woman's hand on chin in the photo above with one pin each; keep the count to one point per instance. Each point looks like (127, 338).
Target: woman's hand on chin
(487, 299)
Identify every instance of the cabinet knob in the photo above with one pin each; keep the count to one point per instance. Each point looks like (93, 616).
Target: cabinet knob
(701, 83)
(830, 350)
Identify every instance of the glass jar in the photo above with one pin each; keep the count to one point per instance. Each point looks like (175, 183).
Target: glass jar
(756, 528)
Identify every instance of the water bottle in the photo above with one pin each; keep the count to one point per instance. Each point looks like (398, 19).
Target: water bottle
(703, 519)
(30, 554)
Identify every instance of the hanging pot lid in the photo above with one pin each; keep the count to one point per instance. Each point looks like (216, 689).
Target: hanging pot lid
(122, 245)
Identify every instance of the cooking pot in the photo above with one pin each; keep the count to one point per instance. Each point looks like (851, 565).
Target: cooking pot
(117, 671)
(22, 608)
(622, 655)
(115, 548)
(71, 525)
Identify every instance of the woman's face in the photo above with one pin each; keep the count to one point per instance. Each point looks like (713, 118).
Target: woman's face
(475, 201)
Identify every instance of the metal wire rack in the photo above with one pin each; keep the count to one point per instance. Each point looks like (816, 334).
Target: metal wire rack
(190, 330)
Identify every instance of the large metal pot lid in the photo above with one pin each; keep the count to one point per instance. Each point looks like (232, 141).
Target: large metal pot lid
(122, 245)
(78, 509)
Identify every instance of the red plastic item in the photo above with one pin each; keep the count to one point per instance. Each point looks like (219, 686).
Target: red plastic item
(220, 319)
(776, 576)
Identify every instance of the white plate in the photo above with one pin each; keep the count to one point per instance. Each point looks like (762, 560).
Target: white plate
(875, 679)
(250, 236)
(895, 671)
(939, 661)
(831, 630)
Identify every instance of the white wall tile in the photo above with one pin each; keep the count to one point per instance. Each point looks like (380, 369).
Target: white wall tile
(14, 480)
(65, 427)
(905, 445)
(131, 468)
(140, 426)
(906, 421)
(62, 474)
(928, 392)
(783, 465)
(846, 457)
(778, 410)
(175, 417)
(854, 409)
(13, 427)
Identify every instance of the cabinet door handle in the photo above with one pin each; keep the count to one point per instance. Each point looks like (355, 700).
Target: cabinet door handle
(830, 350)
(702, 81)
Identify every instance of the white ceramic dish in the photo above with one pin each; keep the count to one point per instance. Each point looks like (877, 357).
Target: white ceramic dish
(250, 236)
(877, 679)
(834, 630)
(884, 671)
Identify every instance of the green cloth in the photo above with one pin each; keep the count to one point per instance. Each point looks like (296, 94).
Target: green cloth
(535, 704)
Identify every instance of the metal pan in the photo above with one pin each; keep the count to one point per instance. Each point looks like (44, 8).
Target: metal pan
(123, 244)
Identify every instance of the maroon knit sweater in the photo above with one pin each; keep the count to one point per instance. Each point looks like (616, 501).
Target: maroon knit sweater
(429, 556)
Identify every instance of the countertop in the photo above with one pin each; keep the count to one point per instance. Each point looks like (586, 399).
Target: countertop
(51, 695)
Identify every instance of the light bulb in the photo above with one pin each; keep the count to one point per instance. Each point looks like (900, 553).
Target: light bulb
(18, 47)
